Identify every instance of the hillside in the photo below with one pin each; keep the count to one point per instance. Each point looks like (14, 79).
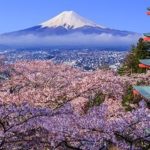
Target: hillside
(59, 107)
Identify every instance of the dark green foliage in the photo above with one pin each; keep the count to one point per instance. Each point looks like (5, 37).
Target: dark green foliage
(129, 98)
(131, 63)
(97, 100)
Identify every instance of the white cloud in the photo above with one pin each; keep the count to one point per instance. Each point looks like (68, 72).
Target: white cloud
(77, 39)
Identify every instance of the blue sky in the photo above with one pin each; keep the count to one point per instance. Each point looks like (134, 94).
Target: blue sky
(118, 14)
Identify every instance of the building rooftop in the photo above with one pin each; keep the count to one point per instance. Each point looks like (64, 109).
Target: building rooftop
(146, 34)
(145, 61)
(143, 90)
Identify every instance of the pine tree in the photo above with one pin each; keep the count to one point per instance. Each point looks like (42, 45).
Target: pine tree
(131, 62)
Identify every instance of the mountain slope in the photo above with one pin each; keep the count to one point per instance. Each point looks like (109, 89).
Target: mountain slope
(69, 22)
(69, 28)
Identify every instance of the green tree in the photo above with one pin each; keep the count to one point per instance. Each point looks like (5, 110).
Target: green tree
(129, 99)
(131, 62)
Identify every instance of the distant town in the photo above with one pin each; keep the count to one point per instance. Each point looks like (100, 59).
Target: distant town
(85, 59)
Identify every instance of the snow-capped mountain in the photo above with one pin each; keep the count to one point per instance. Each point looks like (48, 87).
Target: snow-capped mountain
(69, 20)
(69, 28)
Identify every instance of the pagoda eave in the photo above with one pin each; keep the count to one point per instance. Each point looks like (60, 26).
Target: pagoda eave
(146, 39)
(144, 63)
(148, 12)
(144, 91)
(144, 66)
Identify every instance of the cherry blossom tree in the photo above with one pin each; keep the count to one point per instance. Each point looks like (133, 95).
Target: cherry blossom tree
(44, 106)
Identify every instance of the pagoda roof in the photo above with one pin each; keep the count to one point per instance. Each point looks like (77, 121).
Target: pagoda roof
(145, 62)
(143, 90)
(146, 34)
(148, 12)
(148, 8)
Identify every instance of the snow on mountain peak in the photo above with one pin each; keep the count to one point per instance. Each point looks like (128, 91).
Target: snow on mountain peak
(69, 20)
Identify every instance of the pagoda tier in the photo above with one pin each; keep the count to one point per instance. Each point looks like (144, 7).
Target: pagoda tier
(146, 39)
(144, 63)
(148, 12)
(146, 34)
(144, 91)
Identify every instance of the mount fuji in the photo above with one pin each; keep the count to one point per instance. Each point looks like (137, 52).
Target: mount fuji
(70, 29)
